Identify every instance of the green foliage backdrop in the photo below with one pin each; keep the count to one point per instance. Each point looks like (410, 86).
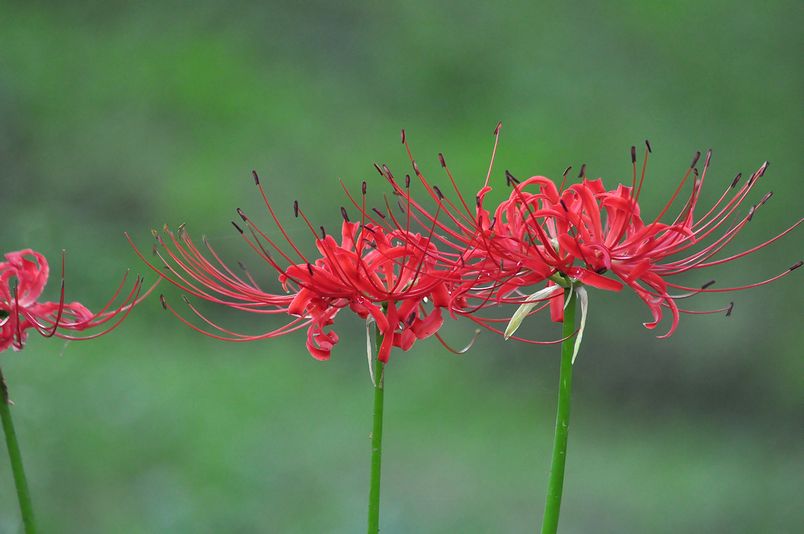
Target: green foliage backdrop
(124, 117)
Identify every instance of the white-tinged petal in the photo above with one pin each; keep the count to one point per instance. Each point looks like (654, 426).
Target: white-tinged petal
(583, 298)
(369, 352)
(569, 297)
(530, 302)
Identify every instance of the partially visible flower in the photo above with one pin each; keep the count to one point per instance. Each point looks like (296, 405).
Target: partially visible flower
(390, 276)
(23, 276)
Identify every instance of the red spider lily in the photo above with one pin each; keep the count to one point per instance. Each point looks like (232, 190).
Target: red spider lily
(585, 231)
(391, 277)
(23, 277)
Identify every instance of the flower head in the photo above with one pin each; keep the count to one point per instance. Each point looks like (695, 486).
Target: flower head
(587, 234)
(386, 275)
(23, 276)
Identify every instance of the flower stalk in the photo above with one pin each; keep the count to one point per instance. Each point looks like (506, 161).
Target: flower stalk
(376, 442)
(555, 486)
(15, 457)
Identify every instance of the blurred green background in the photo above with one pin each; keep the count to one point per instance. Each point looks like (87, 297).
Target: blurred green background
(124, 117)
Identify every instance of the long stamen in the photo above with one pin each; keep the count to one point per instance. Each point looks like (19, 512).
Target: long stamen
(493, 152)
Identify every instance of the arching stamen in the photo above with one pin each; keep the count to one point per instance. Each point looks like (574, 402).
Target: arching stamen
(564, 179)
(465, 349)
(493, 152)
(52, 332)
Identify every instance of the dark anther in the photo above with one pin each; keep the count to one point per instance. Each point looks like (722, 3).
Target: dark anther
(708, 284)
(566, 171)
(441, 159)
(510, 179)
(796, 266)
(378, 212)
(497, 129)
(403, 136)
(256, 177)
(411, 318)
(478, 202)
(407, 181)
(650, 148)
(564, 205)
(344, 214)
(751, 213)
(295, 208)
(695, 159)
(493, 222)
(238, 228)
(633, 154)
(310, 269)
(364, 187)
(731, 309)
(186, 299)
(242, 215)
(323, 232)
(416, 168)
(766, 197)
(240, 264)
(736, 179)
(583, 171)
(163, 301)
(438, 192)
(602, 270)
(378, 169)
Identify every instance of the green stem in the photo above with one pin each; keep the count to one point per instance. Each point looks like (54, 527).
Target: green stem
(376, 443)
(14, 455)
(556, 484)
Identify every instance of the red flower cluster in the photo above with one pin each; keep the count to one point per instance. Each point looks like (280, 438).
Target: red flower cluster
(465, 258)
(23, 277)
(586, 231)
(388, 276)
